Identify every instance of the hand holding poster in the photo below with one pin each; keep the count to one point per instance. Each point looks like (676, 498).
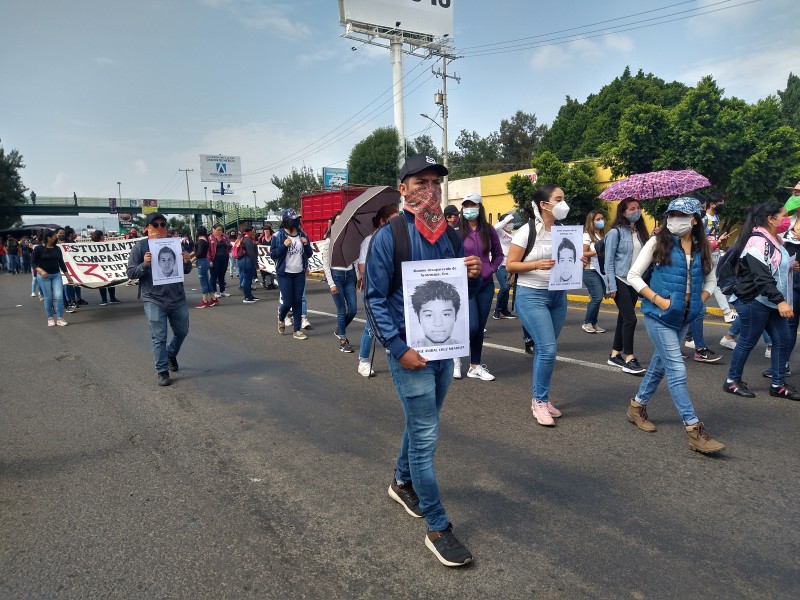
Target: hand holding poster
(567, 273)
(166, 262)
(437, 307)
(98, 264)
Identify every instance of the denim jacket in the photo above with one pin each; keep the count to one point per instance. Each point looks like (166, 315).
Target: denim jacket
(619, 254)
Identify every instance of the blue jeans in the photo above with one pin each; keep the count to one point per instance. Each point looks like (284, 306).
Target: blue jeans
(542, 312)
(755, 318)
(597, 287)
(293, 287)
(480, 305)
(53, 291)
(13, 263)
(202, 273)
(422, 393)
(247, 272)
(366, 343)
(667, 360)
(157, 318)
(104, 296)
(35, 289)
(697, 330)
(345, 299)
(501, 304)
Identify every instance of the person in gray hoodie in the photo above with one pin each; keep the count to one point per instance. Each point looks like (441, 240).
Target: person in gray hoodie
(163, 304)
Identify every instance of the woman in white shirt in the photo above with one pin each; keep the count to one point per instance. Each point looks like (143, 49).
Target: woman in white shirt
(541, 310)
(681, 283)
(342, 281)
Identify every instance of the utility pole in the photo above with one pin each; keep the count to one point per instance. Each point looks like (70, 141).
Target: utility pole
(396, 47)
(189, 197)
(441, 100)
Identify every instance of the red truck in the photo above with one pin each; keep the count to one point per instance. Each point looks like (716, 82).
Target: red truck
(319, 206)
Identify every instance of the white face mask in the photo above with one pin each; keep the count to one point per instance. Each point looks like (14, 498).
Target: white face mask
(561, 210)
(679, 225)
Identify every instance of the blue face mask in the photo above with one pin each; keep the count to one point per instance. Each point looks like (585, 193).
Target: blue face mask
(470, 214)
(599, 224)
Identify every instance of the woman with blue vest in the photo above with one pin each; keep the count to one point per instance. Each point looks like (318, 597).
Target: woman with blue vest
(290, 249)
(682, 282)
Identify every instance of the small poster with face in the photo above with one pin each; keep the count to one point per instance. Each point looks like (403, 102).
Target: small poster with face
(166, 262)
(436, 307)
(567, 273)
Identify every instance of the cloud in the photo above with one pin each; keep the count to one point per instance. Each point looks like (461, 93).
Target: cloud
(722, 18)
(140, 166)
(749, 76)
(257, 15)
(583, 50)
(58, 182)
(104, 61)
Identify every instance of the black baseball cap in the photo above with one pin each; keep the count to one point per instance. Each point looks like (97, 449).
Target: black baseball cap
(420, 162)
(450, 210)
(156, 215)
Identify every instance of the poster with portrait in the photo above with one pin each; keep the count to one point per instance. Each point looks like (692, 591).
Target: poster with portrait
(567, 273)
(166, 260)
(436, 307)
(149, 206)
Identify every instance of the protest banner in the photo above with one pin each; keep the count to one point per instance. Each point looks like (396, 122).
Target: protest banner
(98, 264)
(265, 262)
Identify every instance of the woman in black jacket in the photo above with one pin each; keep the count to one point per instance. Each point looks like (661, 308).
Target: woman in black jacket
(48, 264)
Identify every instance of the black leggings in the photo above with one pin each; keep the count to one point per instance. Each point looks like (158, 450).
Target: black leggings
(218, 272)
(625, 299)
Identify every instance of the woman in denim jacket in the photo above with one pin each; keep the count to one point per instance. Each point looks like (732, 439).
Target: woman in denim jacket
(623, 244)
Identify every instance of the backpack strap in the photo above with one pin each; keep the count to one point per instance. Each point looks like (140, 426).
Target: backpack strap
(402, 250)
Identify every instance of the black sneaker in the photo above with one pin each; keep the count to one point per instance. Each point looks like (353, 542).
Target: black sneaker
(172, 363)
(529, 347)
(507, 314)
(344, 346)
(633, 367)
(406, 497)
(449, 551)
(496, 315)
(82, 302)
(163, 379)
(115, 301)
(738, 388)
(784, 391)
(616, 361)
(705, 355)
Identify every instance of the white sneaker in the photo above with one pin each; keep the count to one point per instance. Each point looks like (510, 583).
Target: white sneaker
(598, 329)
(305, 323)
(217, 295)
(61, 322)
(364, 370)
(480, 372)
(289, 321)
(689, 343)
(730, 316)
(51, 322)
(588, 328)
(456, 368)
(226, 294)
(726, 343)
(33, 294)
(542, 414)
(768, 352)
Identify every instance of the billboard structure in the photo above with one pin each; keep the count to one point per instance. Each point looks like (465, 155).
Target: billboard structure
(334, 178)
(422, 28)
(220, 168)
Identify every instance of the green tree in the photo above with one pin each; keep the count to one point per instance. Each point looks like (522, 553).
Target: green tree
(292, 186)
(642, 137)
(476, 155)
(12, 189)
(519, 137)
(576, 179)
(423, 144)
(790, 101)
(374, 160)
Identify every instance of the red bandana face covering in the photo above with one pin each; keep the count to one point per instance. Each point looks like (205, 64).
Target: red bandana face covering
(425, 203)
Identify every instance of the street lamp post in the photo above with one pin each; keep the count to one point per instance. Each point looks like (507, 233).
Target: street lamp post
(254, 200)
(119, 193)
(211, 216)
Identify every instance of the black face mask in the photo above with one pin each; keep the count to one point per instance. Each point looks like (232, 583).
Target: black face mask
(719, 208)
(295, 223)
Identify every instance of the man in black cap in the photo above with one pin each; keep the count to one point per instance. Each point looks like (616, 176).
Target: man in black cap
(163, 304)
(451, 216)
(421, 384)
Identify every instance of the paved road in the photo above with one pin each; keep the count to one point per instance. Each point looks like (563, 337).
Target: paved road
(261, 473)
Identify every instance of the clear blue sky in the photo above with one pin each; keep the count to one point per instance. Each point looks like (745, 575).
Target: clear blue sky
(99, 91)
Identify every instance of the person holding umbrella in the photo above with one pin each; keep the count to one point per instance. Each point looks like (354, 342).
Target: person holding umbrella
(342, 281)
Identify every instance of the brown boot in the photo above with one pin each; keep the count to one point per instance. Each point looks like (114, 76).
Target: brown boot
(700, 441)
(637, 414)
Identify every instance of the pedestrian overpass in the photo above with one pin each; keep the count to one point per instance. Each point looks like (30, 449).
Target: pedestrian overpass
(48, 205)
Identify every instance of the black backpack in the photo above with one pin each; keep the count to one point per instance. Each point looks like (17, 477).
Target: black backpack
(600, 248)
(729, 266)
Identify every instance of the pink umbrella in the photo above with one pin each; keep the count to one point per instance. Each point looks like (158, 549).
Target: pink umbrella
(658, 184)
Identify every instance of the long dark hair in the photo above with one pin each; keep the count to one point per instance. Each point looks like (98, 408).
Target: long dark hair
(621, 219)
(384, 214)
(331, 221)
(756, 217)
(665, 240)
(201, 230)
(542, 194)
(483, 227)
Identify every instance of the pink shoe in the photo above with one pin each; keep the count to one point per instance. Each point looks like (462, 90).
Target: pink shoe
(554, 412)
(542, 414)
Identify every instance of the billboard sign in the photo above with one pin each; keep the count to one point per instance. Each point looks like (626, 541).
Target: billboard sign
(426, 17)
(334, 178)
(149, 206)
(112, 206)
(220, 168)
